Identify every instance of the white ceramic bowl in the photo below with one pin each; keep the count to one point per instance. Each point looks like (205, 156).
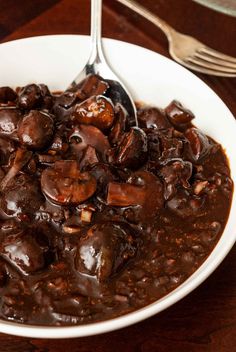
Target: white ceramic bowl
(56, 60)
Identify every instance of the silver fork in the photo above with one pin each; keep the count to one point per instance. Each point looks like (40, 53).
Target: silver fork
(187, 50)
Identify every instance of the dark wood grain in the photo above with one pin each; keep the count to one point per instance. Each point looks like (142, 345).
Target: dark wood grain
(19, 14)
(205, 320)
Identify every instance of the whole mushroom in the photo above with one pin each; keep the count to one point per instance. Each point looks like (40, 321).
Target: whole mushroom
(25, 250)
(21, 197)
(29, 96)
(176, 172)
(35, 96)
(36, 130)
(132, 149)
(96, 110)
(9, 121)
(105, 249)
(7, 94)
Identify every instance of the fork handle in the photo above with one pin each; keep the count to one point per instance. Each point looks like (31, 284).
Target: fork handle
(133, 5)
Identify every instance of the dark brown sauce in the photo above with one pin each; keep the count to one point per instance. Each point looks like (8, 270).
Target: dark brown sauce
(99, 219)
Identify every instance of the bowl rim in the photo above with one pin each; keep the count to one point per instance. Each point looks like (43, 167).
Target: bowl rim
(59, 332)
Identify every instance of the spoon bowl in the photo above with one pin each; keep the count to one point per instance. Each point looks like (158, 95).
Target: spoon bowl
(97, 64)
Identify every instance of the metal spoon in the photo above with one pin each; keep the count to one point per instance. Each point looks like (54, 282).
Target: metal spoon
(97, 64)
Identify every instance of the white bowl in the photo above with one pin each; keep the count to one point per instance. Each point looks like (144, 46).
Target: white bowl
(56, 60)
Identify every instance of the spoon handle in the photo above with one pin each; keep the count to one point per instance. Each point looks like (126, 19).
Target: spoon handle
(96, 29)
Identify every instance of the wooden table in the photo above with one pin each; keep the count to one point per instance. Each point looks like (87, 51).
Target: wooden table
(206, 319)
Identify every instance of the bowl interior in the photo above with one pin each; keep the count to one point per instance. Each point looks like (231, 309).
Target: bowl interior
(151, 78)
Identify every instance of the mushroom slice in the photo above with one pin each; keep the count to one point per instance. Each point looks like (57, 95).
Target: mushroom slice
(7, 147)
(2, 174)
(143, 188)
(64, 183)
(83, 135)
(154, 118)
(89, 157)
(124, 194)
(92, 85)
(119, 126)
(21, 159)
(63, 105)
(104, 173)
(199, 144)
(179, 116)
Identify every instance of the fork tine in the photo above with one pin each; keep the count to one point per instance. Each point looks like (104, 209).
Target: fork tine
(214, 60)
(209, 65)
(215, 53)
(208, 71)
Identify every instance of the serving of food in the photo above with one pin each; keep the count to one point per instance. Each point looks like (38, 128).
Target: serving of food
(100, 218)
